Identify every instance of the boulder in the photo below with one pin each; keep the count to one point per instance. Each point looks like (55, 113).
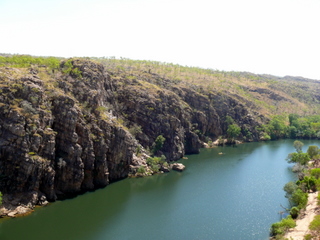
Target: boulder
(178, 167)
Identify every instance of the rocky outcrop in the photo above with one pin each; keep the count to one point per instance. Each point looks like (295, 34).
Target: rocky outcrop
(81, 126)
(178, 167)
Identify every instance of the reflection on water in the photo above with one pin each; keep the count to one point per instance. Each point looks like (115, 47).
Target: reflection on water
(234, 195)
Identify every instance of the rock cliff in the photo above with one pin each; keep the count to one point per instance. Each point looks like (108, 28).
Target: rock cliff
(81, 126)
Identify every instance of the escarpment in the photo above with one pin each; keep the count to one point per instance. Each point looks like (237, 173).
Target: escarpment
(79, 127)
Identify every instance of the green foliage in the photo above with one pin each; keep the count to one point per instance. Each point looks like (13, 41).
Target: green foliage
(308, 237)
(307, 183)
(158, 144)
(277, 127)
(24, 61)
(233, 131)
(299, 199)
(68, 68)
(298, 145)
(293, 118)
(153, 163)
(266, 137)
(315, 173)
(0, 198)
(313, 152)
(280, 228)
(141, 170)
(315, 224)
(302, 158)
(229, 120)
(290, 188)
(306, 127)
(294, 212)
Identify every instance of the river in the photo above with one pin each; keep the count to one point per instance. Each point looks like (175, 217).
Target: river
(235, 195)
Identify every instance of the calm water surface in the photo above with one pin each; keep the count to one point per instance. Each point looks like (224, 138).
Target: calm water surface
(236, 195)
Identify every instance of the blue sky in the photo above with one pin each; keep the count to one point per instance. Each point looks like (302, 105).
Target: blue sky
(279, 37)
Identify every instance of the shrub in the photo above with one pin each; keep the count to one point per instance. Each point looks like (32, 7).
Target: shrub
(290, 188)
(294, 212)
(279, 228)
(141, 169)
(315, 224)
(299, 199)
(308, 237)
(315, 172)
(313, 152)
(300, 157)
(158, 144)
(298, 145)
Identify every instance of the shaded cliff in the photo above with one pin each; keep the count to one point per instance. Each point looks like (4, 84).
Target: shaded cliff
(78, 125)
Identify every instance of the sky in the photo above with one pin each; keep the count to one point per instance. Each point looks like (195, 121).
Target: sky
(278, 37)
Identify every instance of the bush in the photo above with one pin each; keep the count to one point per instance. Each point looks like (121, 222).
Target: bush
(158, 144)
(308, 237)
(141, 170)
(300, 157)
(299, 199)
(315, 224)
(290, 188)
(313, 152)
(315, 172)
(294, 212)
(280, 228)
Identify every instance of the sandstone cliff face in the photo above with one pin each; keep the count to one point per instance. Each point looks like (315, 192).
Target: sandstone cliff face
(78, 128)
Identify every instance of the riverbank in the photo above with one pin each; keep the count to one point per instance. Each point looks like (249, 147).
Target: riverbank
(304, 219)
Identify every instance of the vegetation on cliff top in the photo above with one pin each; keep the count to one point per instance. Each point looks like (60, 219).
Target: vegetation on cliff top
(269, 94)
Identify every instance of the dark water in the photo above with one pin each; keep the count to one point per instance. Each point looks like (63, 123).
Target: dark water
(236, 195)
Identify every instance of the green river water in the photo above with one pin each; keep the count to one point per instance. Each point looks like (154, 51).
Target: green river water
(236, 195)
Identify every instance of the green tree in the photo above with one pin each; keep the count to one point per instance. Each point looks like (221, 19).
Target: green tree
(307, 183)
(277, 127)
(290, 188)
(293, 118)
(299, 199)
(158, 144)
(233, 131)
(229, 120)
(315, 172)
(298, 145)
(300, 157)
(292, 131)
(313, 152)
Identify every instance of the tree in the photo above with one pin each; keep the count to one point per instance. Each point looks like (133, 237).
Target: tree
(158, 143)
(313, 152)
(229, 120)
(293, 118)
(233, 131)
(298, 145)
(292, 131)
(290, 188)
(299, 198)
(300, 157)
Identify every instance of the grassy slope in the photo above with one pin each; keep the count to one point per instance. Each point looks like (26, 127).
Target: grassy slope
(267, 94)
(270, 95)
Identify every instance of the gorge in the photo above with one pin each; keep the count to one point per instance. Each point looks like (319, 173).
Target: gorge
(236, 195)
(68, 126)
